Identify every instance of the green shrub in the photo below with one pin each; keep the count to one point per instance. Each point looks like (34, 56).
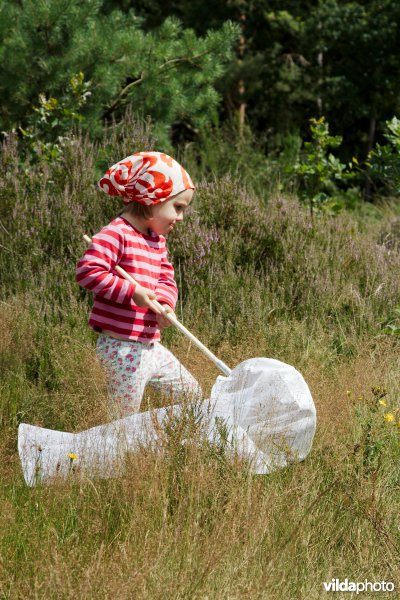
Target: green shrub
(319, 171)
(384, 160)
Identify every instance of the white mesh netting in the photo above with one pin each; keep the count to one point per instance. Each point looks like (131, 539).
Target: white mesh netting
(265, 405)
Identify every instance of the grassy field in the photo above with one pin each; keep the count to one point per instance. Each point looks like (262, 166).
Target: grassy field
(256, 279)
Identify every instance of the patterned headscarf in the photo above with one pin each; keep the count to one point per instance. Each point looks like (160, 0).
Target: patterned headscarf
(146, 177)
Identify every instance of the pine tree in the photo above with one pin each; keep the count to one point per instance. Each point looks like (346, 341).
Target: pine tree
(168, 74)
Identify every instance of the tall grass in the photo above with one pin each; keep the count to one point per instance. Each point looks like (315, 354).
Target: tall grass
(256, 279)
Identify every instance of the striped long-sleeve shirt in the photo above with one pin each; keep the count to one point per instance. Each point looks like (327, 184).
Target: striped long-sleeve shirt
(142, 256)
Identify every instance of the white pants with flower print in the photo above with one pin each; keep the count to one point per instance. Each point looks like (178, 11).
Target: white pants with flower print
(131, 365)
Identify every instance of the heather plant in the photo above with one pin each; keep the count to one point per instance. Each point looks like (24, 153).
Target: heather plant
(272, 262)
(228, 225)
(265, 256)
(46, 207)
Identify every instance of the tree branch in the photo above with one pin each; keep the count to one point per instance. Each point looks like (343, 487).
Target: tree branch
(124, 91)
(173, 63)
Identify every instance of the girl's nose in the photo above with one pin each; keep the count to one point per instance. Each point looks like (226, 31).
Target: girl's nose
(180, 217)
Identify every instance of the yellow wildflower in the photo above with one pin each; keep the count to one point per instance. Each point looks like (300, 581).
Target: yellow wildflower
(382, 403)
(389, 417)
(72, 456)
(348, 392)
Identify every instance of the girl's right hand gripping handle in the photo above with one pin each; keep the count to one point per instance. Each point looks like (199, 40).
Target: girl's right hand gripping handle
(221, 365)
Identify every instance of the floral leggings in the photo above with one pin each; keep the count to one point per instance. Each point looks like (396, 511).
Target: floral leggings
(131, 365)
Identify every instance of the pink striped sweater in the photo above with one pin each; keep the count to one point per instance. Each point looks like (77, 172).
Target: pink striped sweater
(142, 256)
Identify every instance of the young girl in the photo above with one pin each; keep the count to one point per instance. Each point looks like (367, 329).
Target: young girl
(156, 191)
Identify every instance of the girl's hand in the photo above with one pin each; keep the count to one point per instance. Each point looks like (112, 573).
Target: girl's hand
(163, 321)
(143, 298)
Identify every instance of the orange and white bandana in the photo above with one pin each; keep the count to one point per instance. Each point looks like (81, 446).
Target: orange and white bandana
(146, 177)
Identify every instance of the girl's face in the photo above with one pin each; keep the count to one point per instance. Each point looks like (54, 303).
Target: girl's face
(166, 214)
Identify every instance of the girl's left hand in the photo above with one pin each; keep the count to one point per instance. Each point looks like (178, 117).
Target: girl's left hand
(163, 321)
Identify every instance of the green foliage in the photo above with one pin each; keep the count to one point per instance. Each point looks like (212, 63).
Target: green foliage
(384, 160)
(296, 59)
(168, 75)
(319, 170)
(176, 64)
(226, 150)
(392, 326)
(52, 121)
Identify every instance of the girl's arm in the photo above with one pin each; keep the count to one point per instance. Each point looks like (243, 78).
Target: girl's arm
(166, 289)
(95, 270)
